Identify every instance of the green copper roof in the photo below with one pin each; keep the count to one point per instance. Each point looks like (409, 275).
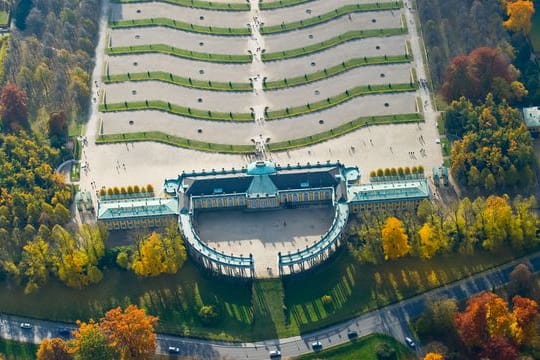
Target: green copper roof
(531, 115)
(388, 191)
(109, 210)
(261, 168)
(261, 185)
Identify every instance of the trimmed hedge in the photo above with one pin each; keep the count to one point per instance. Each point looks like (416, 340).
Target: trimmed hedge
(334, 14)
(177, 80)
(199, 4)
(340, 39)
(344, 129)
(173, 51)
(338, 99)
(176, 109)
(335, 70)
(280, 4)
(158, 136)
(179, 25)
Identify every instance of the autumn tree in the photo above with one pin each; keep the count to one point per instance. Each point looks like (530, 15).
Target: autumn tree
(130, 332)
(438, 319)
(525, 315)
(523, 282)
(57, 128)
(53, 349)
(431, 240)
(35, 264)
(159, 254)
(394, 240)
(90, 342)
(471, 324)
(433, 356)
(13, 108)
(484, 70)
(520, 14)
(499, 348)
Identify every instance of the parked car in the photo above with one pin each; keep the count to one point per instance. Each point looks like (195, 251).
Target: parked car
(274, 354)
(64, 331)
(25, 325)
(352, 334)
(410, 342)
(174, 350)
(316, 345)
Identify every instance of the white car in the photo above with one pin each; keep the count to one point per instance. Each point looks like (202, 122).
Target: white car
(274, 354)
(316, 345)
(174, 350)
(410, 342)
(26, 325)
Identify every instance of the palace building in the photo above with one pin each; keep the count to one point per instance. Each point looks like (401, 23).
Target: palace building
(263, 185)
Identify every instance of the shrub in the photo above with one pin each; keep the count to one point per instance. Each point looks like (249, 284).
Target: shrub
(372, 173)
(407, 170)
(116, 191)
(400, 171)
(143, 189)
(385, 352)
(150, 188)
(380, 172)
(393, 171)
(327, 299)
(208, 314)
(122, 260)
(387, 172)
(102, 192)
(420, 169)
(414, 170)
(136, 189)
(110, 191)
(130, 189)
(123, 190)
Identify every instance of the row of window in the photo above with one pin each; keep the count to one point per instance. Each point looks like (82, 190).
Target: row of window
(138, 222)
(394, 205)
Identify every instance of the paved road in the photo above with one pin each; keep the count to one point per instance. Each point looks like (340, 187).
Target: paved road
(392, 320)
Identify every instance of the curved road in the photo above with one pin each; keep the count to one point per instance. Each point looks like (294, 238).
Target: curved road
(392, 320)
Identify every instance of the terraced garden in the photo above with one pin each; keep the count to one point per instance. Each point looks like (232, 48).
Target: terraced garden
(231, 45)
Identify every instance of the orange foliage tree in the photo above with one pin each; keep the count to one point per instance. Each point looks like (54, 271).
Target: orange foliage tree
(53, 349)
(433, 356)
(130, 332)
(519, 13)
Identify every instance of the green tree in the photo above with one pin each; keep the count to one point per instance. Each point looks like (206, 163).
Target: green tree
(90, 343)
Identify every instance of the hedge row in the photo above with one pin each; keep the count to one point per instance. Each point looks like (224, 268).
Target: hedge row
(344, 10)
(335, 70)
(344, 129)
(180, 25)
(178, 80)
(175, 109)
(175, 141)
(199, 4)
(173, 51)
(280, 4)
(335, 41)
(338, 99)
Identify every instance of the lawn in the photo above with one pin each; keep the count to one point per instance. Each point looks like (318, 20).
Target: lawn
(4, 18)
(364, 348)
(199, 4)
(249, 311)
(13, 350)
(179, 25)
(273, 4)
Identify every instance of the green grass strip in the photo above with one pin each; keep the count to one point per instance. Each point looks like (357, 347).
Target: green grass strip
(199, 4)
(335, 70)
(340, 39)
(344, 129)
(173, 51)
(179, 25)
(158, 136)
(339, 99)
(344, 10)
(177, 80)
(175, 109)
(280, 4)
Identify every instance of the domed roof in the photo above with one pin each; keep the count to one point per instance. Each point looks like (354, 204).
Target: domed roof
(261, 168)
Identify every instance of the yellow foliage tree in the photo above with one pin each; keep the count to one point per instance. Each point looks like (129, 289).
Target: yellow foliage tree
(499, 319)
(431, 240)
(53, 349)
(395, 241)
(159, 254)
(433, 356)
(519, 13)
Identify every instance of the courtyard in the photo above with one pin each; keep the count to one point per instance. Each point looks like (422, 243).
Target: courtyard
(264, 234)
